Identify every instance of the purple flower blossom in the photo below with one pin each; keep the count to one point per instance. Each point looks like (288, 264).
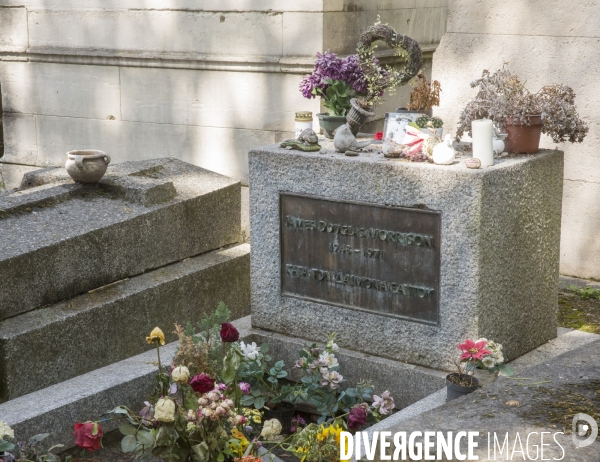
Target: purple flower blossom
(244, 387)
(329, 66)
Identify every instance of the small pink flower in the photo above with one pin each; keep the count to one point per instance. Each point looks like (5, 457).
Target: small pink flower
(473, 350)
(244, 387)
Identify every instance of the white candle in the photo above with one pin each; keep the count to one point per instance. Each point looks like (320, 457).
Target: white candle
(482, 141)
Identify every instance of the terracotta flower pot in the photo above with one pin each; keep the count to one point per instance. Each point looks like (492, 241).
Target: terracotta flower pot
(521, 138)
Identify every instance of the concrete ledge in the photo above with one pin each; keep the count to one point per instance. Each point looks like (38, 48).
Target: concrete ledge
(67, 339)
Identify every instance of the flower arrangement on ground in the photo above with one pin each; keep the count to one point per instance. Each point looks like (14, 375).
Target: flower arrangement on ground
(192, 414)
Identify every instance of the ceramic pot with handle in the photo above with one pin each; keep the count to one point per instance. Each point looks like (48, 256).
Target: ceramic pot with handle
(87, 166)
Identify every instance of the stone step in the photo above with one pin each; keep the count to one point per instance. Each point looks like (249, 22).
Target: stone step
(59, 239)
(69, 338)
(55, 409)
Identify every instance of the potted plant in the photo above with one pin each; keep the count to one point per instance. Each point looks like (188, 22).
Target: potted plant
(486, 369)
(523, 115)
(336, 81)
(462, 382)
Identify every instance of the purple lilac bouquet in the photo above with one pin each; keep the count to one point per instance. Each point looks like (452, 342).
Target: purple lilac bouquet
(336, 80)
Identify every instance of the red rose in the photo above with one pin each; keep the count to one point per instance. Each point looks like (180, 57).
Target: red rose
(378, 136)
(88, 435)
(202, 383)
(357, 417)
(229, 333)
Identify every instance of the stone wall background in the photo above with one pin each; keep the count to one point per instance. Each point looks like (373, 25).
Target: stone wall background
(544, 41)
(200, 80)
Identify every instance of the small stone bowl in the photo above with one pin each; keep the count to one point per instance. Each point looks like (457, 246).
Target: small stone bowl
(87, 166)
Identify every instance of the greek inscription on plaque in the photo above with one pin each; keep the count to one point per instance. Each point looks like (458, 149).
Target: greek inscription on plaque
(362, 256)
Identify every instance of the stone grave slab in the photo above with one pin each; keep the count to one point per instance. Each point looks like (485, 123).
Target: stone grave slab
(405, 260)
(59, 239)
(72, 337)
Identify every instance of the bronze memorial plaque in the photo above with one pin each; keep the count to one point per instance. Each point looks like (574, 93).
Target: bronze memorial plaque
(362, 256)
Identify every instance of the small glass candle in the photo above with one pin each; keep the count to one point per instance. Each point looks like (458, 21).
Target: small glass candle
(304, 120)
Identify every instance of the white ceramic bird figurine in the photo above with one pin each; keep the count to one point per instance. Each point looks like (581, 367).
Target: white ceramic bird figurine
(344, 140)
(443, 153)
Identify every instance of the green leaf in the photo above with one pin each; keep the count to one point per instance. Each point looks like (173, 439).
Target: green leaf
(126, 428)
(128, 444)
(281, 374)
(259, 402)
(279, 365)
(506, 369)
(190, 401)
(5, 446)
(352, 392)
(119, 410)
(264, 348)
(247, 400)
(35, 439)
(201, 452)
(306, 379)
(144, 438)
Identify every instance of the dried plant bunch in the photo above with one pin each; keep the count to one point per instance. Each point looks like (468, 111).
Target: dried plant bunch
(424, 94)
(503, 98)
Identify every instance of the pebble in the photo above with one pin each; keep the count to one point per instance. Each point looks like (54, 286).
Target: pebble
(351, 153)
(472, 162)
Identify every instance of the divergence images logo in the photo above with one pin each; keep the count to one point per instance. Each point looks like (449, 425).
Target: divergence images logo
(586, 433)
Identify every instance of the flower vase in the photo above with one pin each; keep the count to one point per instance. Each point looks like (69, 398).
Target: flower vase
(284, 412)
(357, 116)
(485, 377)
(454, 390)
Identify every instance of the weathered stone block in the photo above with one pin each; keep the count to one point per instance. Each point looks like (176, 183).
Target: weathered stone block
(189, 97)
(20, 139)
(62, 238)
(128, 141)
(107, 324)
(13, 24)
(101, 29)
(500, 231)
(61, 89)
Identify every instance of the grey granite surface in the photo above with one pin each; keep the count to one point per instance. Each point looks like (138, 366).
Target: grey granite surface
(69, 338)
(544, 398)
(499, 249)
(59, 238)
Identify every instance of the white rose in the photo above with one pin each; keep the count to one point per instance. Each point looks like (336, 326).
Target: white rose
(164, 411)
(180, 374)
(6, 431)
(250, 350)
(271, 429)
(488, 362)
